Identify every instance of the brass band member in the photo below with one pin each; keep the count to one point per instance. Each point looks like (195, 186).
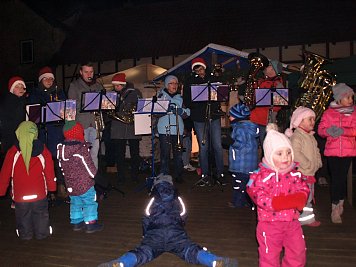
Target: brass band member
(122, 129)
(86, 83)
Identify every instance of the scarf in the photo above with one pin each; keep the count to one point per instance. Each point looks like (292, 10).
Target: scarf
(342, 109)
(26, 133)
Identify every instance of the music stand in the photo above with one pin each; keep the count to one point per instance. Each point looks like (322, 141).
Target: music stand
(266, 97)
(96, 102)
(209, 93)
(151, 106)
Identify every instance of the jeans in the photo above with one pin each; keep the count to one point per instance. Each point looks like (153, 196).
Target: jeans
(165, 145)
(90, 135)
(212, 134)
(187, 144)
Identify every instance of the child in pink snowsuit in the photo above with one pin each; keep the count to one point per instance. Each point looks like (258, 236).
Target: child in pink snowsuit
(279, 193)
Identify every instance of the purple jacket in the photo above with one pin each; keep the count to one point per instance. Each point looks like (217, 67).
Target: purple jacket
(344, 145)
(77, 166)
(264, 185)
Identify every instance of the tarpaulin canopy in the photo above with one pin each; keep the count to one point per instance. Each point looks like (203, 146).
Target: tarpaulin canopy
(228, 57)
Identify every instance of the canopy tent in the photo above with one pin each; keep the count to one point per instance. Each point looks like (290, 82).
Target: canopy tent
(228, 57)
(140, 76)
(345, 70)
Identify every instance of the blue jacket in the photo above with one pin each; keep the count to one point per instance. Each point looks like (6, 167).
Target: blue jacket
(170, 119)
(165, 210)
(243, 155)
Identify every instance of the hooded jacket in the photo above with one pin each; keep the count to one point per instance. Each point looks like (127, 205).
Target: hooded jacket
(344, 145)
(243, 155)
(165, 209)
(31, 186)
(77, 165)
(264, 185)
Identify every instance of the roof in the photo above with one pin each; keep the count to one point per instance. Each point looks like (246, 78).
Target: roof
(182, 27)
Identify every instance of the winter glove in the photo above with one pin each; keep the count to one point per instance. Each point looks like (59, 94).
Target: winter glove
(292, 201)
(180, 111)
(334, 131)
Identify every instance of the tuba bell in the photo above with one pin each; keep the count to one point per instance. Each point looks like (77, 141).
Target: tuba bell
(316, 82)
(257, 62)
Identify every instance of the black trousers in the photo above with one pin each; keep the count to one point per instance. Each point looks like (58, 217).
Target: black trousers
(32, 218)
(119, 152)
(338, 168)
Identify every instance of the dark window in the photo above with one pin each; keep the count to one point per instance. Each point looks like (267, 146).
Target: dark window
(26, 51)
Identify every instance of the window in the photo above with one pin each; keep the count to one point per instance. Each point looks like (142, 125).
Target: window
(26, 51)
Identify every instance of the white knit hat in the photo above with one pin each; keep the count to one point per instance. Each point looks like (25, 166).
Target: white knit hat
(298, 115)
(274, 140)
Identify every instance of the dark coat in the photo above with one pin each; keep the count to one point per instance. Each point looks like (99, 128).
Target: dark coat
(51, 133)
(198, 109)
(12, 113)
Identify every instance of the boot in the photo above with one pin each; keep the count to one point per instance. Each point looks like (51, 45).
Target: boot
(79, 226)
(206, 258)
(335, 214)
(127, 260)
(226, 262)
(93, 226)
(341, 207)
(221, 179)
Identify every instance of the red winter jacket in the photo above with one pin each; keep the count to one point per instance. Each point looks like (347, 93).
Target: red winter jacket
(259, 115)
(33, 186)
(344, 145)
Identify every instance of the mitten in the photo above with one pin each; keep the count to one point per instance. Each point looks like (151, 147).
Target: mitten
(334, 131)
(180, 111)
(292, 201)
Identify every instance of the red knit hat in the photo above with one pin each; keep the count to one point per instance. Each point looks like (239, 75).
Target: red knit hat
(45, 72)
(73, 130)
(15, 81)
(119, 78)
(198, 62)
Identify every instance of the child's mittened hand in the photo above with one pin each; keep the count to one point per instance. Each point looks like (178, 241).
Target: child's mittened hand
(292, 201)
(334, 131)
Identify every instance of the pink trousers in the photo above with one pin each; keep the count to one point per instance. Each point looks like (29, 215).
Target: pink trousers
(272, 237)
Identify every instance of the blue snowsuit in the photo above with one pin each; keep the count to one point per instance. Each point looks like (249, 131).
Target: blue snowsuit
(163, 231)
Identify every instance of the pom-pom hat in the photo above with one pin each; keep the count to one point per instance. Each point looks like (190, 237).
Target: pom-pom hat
(274, 141)
(198, 62)
(15, 81)
(240, 111)
(298, 115)
(341, 90)
(119, 78)
(73, 130)
(45, 72)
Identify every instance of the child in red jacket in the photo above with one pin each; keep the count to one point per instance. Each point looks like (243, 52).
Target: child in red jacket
(30, 165)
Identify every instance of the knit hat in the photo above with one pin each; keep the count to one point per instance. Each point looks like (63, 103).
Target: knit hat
(277, 66)
(73, 130)
(198, 62)
(341, 90)
(274, 140)
(119, 78)
(240, 111)
(163, 178)
(298, 115)
(45, 72)
(15, 81)
(168, 79)
(26, 132)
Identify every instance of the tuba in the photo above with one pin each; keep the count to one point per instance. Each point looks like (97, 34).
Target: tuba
(126, 115)
(257, 62)
(316, 82)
